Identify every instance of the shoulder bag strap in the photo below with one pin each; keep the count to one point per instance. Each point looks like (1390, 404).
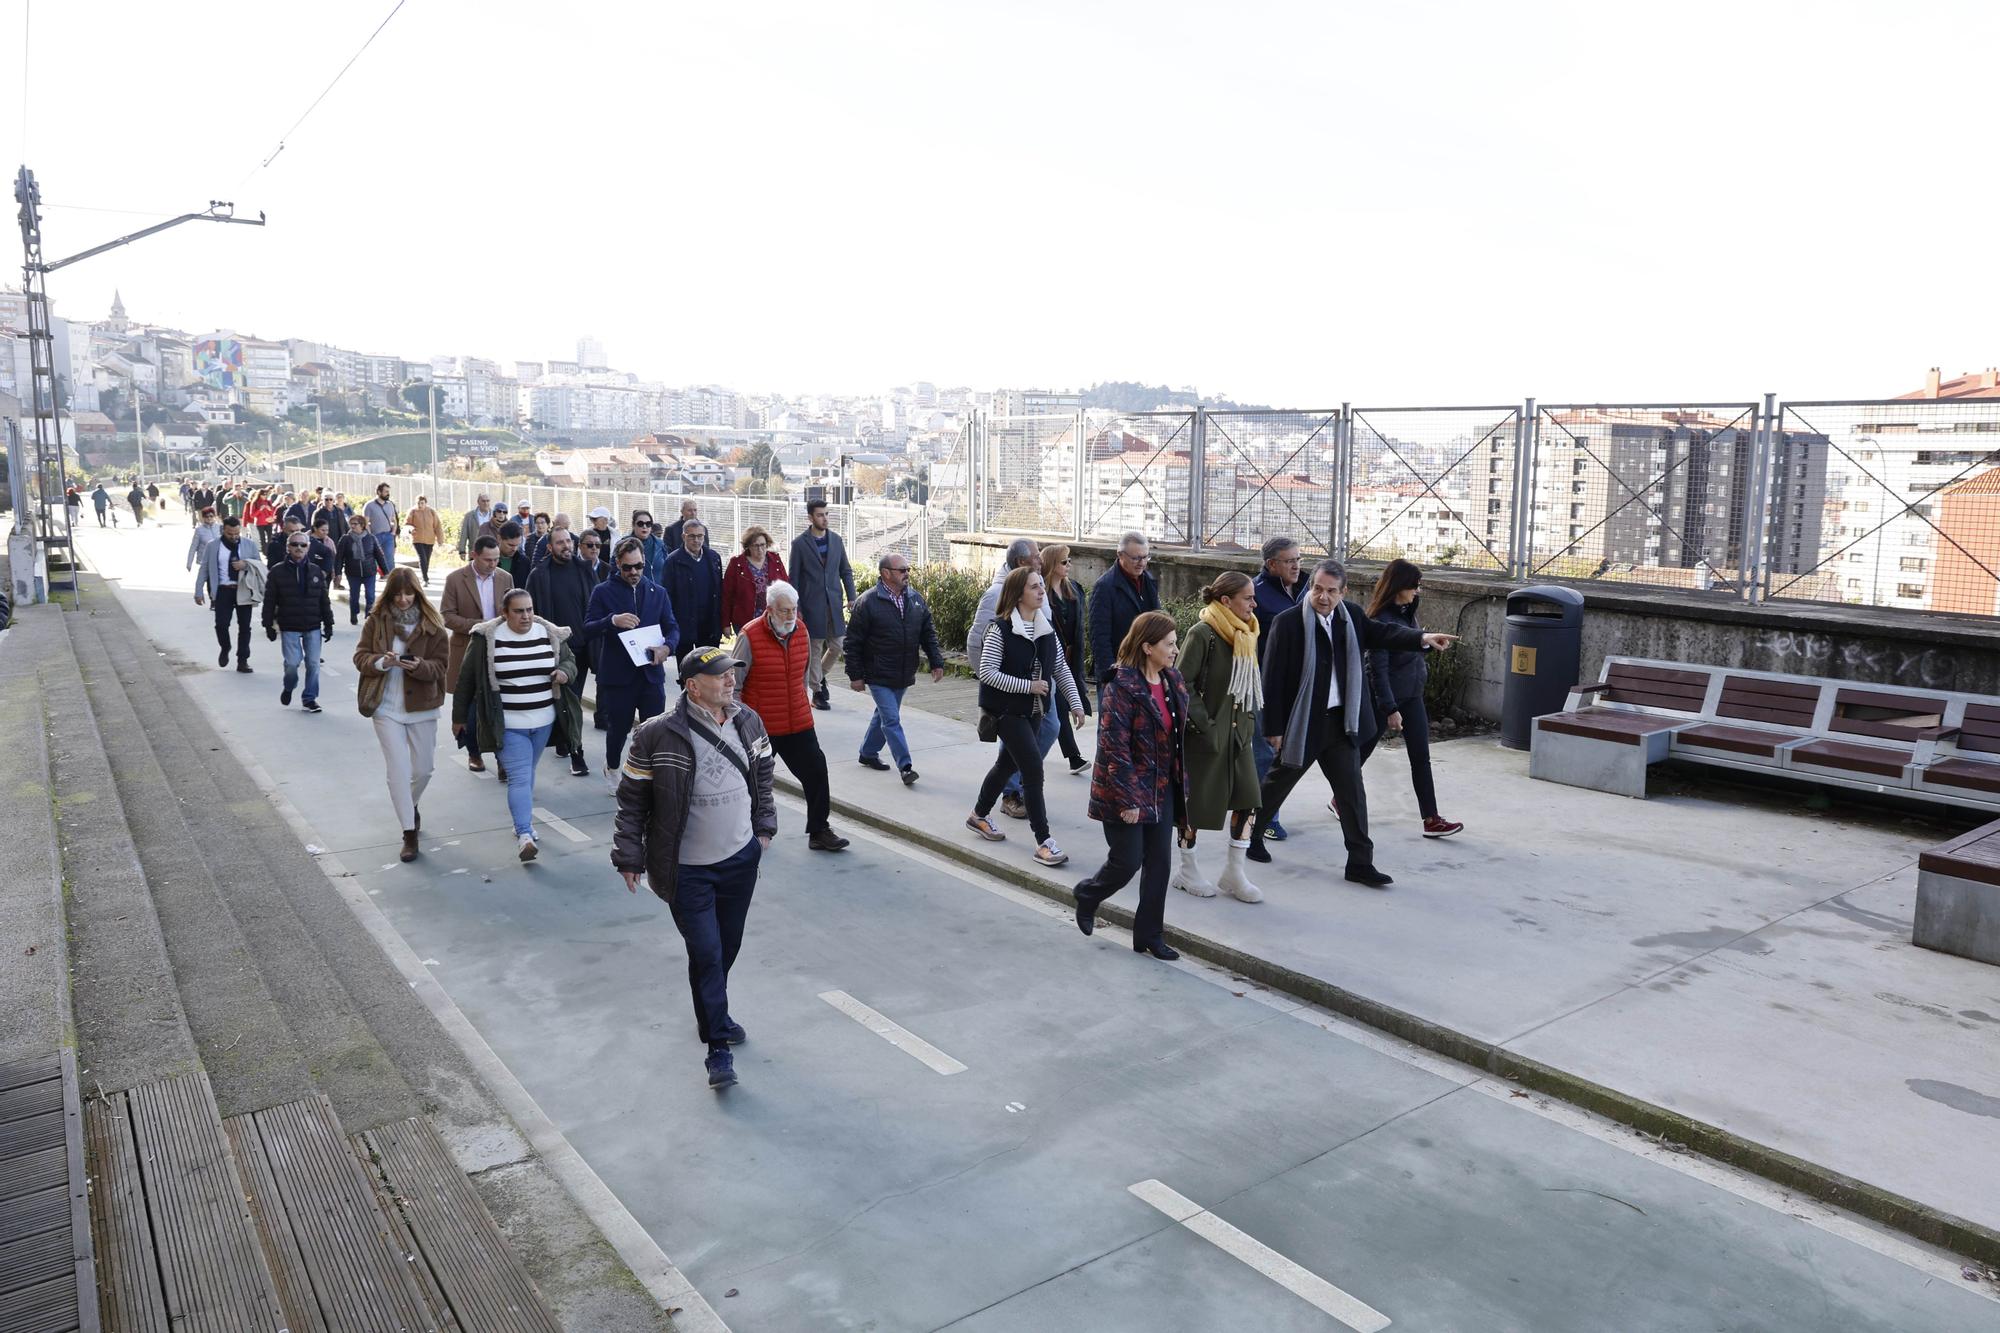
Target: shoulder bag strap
(708, 734)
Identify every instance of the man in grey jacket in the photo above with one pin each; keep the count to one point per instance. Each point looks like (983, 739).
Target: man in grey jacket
(821, 573)
(694, 817)
(219, 578)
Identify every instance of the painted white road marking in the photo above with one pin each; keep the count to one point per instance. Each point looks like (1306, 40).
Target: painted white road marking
(562, 826)
(1309, 1287)
(895, 1034)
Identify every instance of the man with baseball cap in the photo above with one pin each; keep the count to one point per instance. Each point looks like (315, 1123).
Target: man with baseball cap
(694, 817)
(600, 523)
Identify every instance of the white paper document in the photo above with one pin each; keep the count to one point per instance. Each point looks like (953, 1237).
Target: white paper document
(637, 641)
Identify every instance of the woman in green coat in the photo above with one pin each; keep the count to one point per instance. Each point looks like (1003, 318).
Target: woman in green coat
(1225, 694)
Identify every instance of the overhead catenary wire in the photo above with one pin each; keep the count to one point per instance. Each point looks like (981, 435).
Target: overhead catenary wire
(396, 9)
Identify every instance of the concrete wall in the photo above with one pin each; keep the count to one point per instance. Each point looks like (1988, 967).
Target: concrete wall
(1909, 648)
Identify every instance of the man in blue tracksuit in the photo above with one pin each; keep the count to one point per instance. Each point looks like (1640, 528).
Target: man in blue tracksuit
(628, 600)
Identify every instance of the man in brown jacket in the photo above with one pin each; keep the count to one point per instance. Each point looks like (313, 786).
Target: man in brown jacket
(472, 595)
(694, 817)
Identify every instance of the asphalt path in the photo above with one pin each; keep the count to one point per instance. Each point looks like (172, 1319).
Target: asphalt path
(955, 1111)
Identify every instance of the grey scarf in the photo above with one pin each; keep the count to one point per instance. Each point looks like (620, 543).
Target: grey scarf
(1292, 754)
(405, 621)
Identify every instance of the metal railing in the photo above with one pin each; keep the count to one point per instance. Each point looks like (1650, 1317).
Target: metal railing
(1882, 502)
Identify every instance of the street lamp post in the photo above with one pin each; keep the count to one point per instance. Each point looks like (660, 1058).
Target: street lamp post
(434, 434)
(319, 435)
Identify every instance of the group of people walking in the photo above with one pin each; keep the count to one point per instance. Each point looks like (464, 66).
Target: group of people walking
(1207, 733)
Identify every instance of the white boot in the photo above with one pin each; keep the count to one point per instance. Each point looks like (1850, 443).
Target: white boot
(1188, 876)
(1235, 881)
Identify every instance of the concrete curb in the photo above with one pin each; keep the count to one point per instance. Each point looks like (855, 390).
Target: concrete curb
(1918, 1220)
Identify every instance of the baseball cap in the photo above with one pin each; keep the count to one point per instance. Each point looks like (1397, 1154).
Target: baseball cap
(706, 662)
(599, 512)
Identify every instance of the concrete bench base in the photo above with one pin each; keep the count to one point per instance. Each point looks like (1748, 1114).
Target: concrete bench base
(1600, 765)
(1958, 916)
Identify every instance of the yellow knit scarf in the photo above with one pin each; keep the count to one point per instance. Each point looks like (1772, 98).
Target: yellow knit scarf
(1246, 684)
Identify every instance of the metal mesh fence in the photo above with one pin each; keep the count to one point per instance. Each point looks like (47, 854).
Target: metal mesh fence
(1433, 485)
(1268, 474)
(1028, 471)
(1887, 503)
(1642, 493)
(1135, 475)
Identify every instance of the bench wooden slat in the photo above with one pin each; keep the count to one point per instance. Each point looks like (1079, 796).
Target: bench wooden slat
(1851, 756)
(1909, 703)
(1670, 702)
(1606, 725)
(1736, 740)
(1662, 675)
(1889, 731)
(1973, 774)
(1974, 856)
(1791, 689)
(1756, 713)
(1674, 689)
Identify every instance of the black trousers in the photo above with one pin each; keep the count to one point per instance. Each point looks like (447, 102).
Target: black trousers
(807, 762)
(225, 605)
(1145, 850)
(424, 559)
(1020, 751)
(1417, 740)
(1340, 759)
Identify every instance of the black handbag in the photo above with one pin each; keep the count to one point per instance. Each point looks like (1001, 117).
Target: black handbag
(989, 726)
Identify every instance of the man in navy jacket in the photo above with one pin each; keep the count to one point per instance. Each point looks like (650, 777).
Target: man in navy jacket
(1120, 594)
(625, 601)
(1278, 587)
(692, 577)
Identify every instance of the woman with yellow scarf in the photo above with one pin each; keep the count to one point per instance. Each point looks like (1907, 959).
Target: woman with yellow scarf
(1225, 694)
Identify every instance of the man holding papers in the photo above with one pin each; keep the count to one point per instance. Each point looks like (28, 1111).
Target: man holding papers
(630, 625)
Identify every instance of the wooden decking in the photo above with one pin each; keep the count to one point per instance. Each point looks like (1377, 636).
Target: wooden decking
(273, 1220)
(46, 1282)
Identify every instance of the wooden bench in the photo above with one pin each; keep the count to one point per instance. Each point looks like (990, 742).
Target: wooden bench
(1932, 745)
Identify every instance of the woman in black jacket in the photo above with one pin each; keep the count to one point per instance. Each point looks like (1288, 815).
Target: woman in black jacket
(1022, 673)
(1066, 610)
(1397, 681)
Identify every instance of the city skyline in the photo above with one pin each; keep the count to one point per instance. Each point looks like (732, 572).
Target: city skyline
(1282, 208)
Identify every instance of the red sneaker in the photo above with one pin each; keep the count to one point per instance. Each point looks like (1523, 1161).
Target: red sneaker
(1438, 827)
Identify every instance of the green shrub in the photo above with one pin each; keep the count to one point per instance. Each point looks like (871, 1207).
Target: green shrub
(954, 596)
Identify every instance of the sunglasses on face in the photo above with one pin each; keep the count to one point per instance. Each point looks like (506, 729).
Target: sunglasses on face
(634, 569)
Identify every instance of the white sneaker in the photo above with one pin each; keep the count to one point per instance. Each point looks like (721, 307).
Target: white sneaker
(611, 780)
(1188, 877)
(1235, 879)
(529, 848)
(1049, 854)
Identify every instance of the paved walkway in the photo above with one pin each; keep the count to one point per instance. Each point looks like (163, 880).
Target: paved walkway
(1736, 956)
(1127, 1145)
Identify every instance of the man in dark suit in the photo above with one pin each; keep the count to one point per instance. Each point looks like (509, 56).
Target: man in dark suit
(1323, 717)
(1116, 599)
(820, 572)
(692, 577)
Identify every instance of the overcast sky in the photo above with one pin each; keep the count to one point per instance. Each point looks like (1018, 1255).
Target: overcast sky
(1407, 203)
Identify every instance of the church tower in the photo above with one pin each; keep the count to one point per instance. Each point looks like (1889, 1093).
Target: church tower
(117, 323)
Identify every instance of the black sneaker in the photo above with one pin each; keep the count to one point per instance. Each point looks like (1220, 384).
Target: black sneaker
(579, 767)
(874, 761)
(311, 706)
(1370, 876)
(243, 667)
(1079, 765)
(733, 1033)
(721, 1067)
(909, 776)
(285, 696)
(222, 658)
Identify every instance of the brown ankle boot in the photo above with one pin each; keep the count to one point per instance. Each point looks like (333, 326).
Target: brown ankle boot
(409, 844)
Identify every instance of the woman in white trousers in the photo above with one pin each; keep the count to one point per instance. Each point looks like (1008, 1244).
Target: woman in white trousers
(401, 658)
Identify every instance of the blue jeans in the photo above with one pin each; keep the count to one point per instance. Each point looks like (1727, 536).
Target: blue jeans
(886, 724)
(301, 645)
(519, 751)
(710, 905)
(1044, 738)
(355, 588)
(386, 543)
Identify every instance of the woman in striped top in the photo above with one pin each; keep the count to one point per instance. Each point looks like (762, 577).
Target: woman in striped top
(509, 686)
(1022, 673)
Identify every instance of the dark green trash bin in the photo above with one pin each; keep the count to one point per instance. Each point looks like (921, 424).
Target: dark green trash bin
(1542, 657)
